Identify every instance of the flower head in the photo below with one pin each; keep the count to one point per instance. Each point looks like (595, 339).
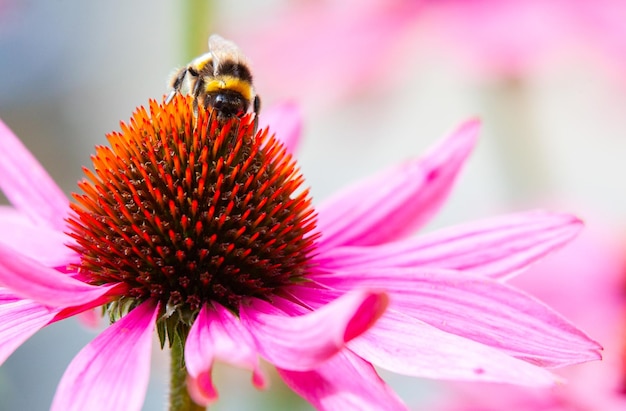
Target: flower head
(191, 218)
(201, 228)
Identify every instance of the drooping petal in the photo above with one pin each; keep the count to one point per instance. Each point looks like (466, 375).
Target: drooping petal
(302, 342)
(19, 320)
(201, 388)
(29, 279)
(405, 345)
(111, 372)
(27, 185)
(497, 248)
(345, 382)
(398, 201)
(42, 243)
(285, 120)
(90, 318)
(217, 334)
(482, 310)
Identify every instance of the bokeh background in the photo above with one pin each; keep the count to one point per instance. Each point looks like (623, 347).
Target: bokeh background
(377, 82)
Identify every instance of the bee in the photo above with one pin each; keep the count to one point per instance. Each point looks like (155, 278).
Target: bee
(220, 79)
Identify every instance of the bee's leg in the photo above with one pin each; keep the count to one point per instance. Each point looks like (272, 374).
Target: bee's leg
(197, 88)
(177, 83)
(256, 107)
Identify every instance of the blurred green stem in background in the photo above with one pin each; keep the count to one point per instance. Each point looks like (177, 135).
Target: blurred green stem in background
(511, 116)
(197, 25)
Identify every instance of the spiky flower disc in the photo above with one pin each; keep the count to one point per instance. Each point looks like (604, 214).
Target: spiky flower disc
(188, 209)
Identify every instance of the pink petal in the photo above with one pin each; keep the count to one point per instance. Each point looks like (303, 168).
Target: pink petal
(285, 121)
(91, 318)
(19, 320)
(304, 341)
(405, 345)
(495, 248)
(44, 244)
(482, 310)
(345, 382)
(90, 313)
(27, 185)
(29, 279)
(396, 202)
(201, 389)
(111, 372)
(217, 334)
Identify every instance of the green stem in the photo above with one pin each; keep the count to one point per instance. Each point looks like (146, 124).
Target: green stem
(179, 396)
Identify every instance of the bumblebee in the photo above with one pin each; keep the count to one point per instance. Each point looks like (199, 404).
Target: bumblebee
(220, 79)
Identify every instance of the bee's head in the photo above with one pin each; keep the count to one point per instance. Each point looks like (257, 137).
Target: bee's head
(229, 103)
(229, 95)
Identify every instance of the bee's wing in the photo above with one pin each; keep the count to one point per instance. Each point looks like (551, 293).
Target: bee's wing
(222, 49)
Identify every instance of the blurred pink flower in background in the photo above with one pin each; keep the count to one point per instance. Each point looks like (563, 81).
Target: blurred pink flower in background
(327, 50)
(450, 316)
(498, 37)
(323, 51)
(511, 38)
(603, 33)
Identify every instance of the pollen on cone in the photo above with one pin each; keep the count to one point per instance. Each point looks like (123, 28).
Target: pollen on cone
(188, 208)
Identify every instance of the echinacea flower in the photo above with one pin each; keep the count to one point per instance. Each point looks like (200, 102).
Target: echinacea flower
(201, 229)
